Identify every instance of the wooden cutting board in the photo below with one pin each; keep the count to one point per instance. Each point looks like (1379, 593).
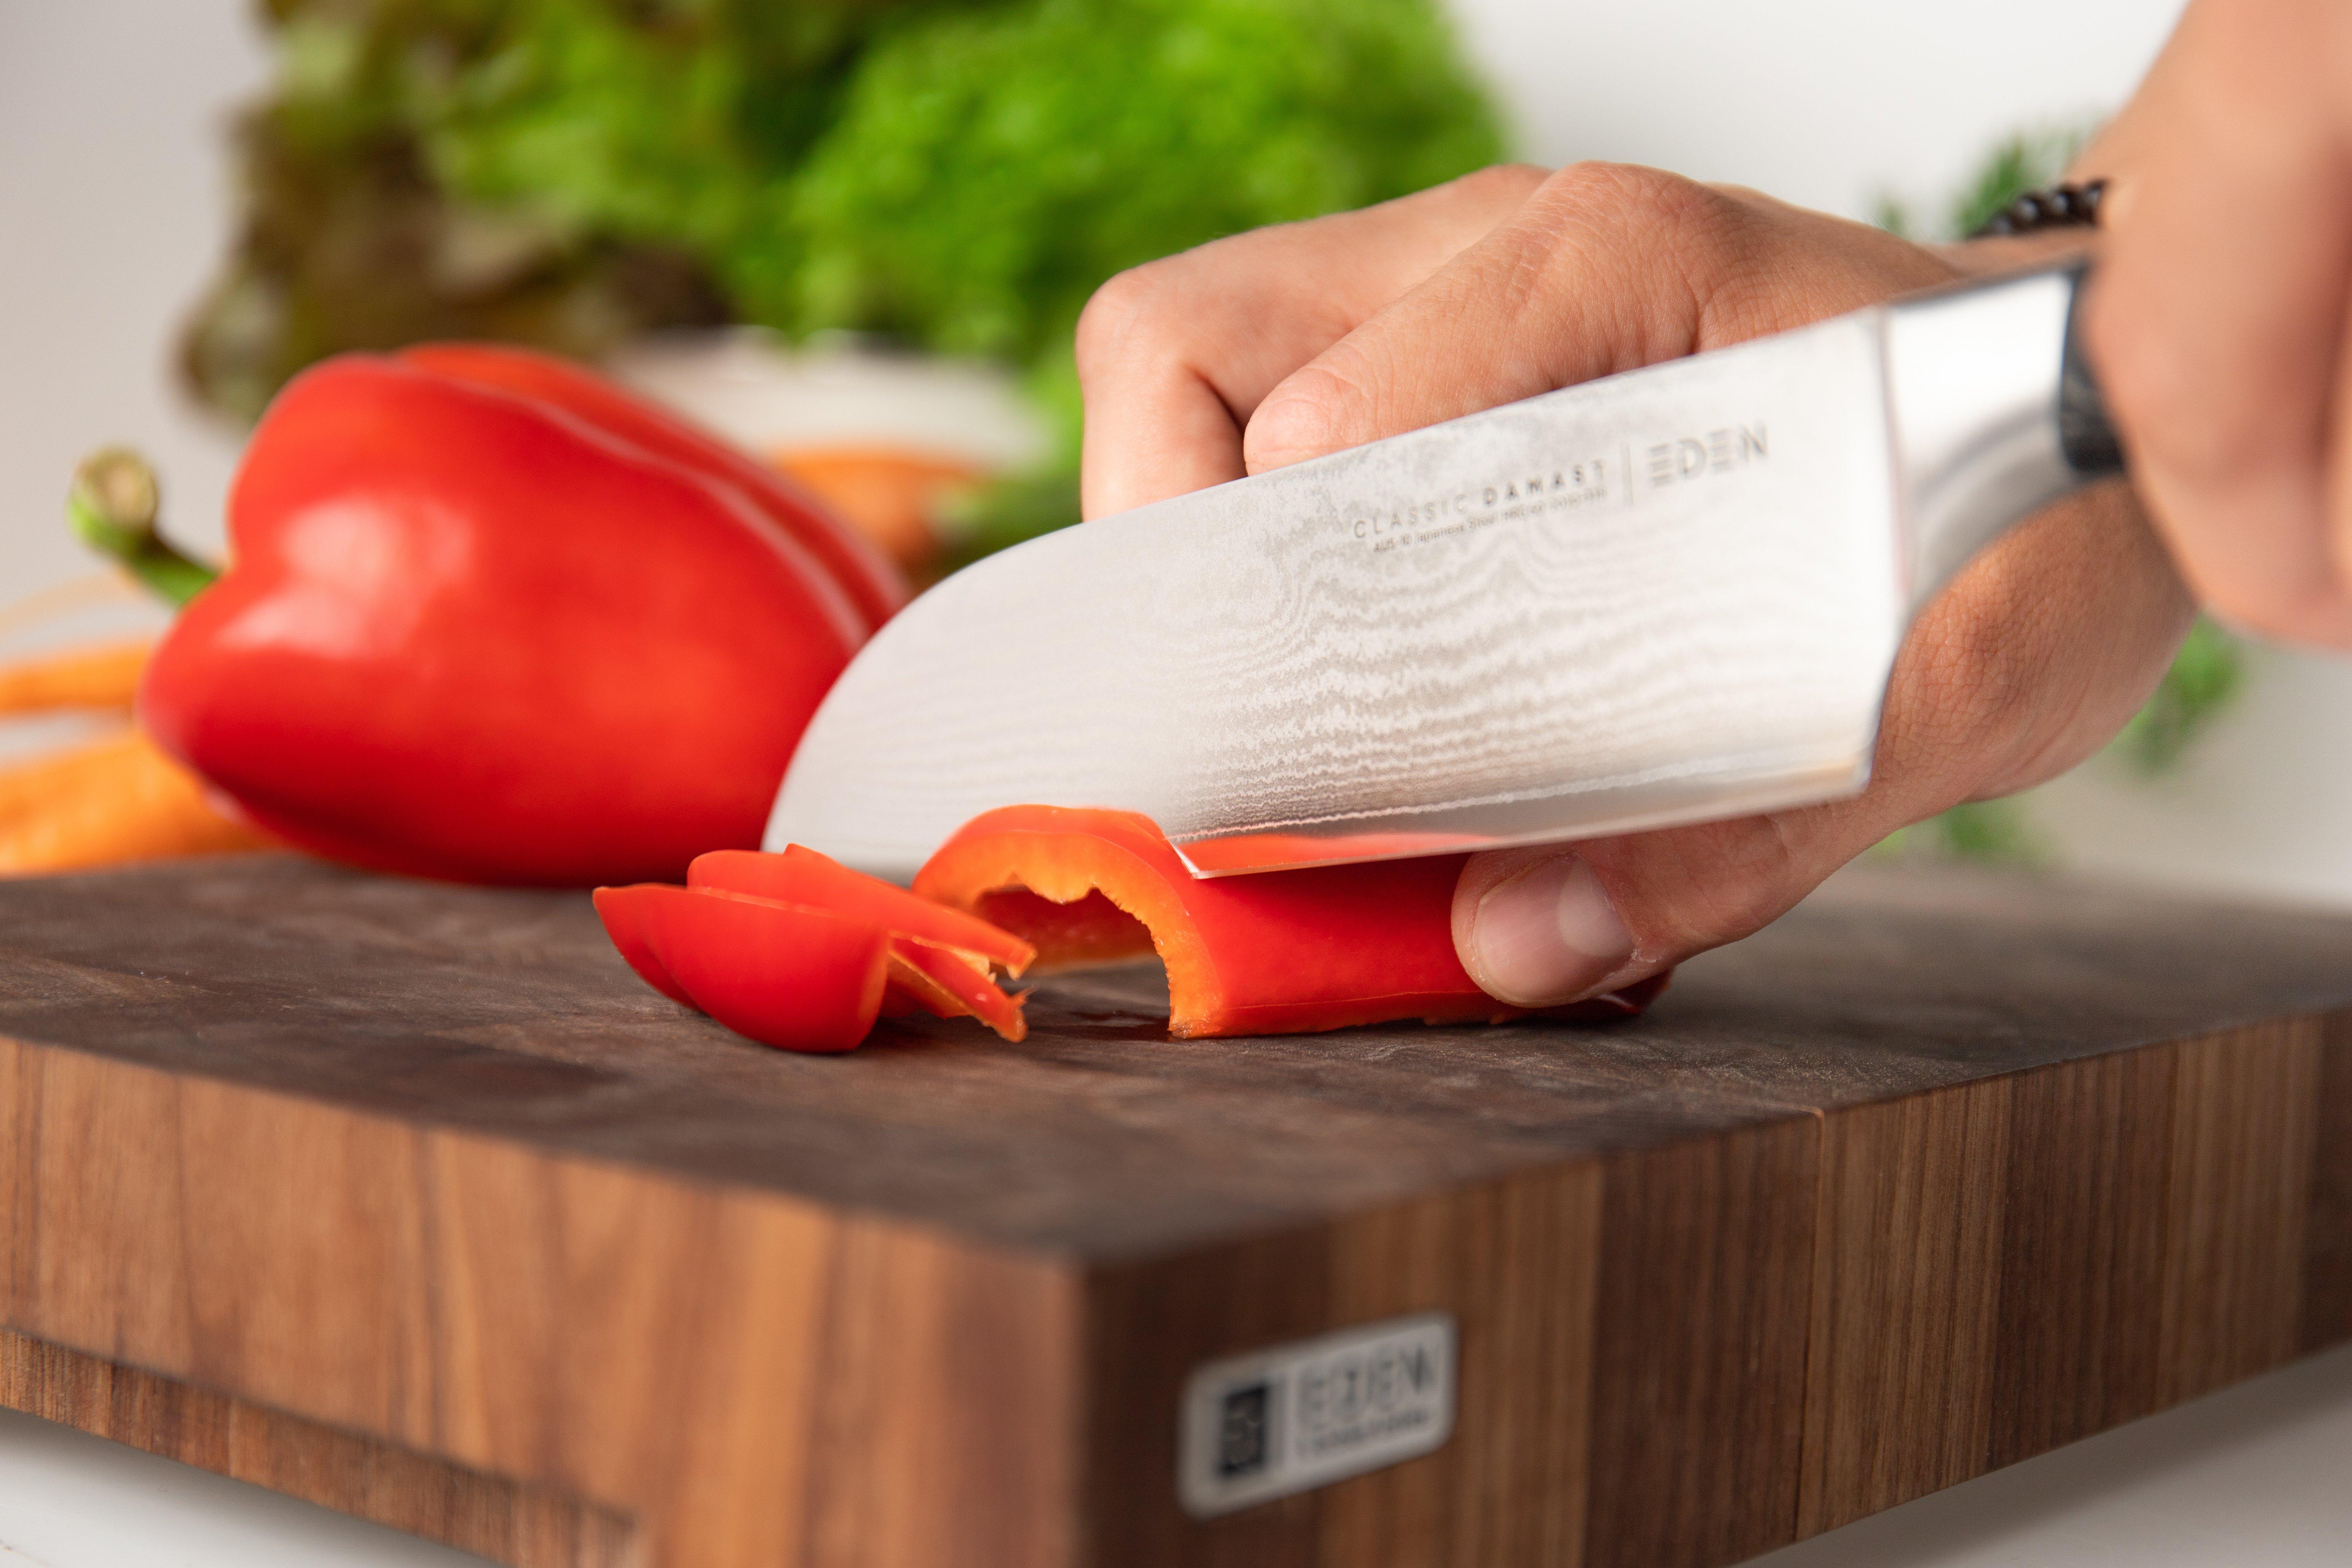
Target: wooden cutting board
(410, 1200)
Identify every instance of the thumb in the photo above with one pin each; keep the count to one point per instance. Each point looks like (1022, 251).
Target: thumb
(2026, 664)
(1547, 924)
(1537, 927)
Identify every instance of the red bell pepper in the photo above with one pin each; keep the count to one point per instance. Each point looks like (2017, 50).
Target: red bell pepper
(865, 574)
(797, 952)
(490, 620)
(1276, 953)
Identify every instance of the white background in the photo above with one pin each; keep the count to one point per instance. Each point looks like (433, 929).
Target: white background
(114, 196)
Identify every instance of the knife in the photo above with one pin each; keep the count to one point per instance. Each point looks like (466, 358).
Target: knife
(1665, 596)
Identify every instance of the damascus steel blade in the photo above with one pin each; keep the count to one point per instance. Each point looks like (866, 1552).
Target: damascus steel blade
(1670, 596)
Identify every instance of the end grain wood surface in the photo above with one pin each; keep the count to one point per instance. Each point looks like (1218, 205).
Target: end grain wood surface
(412, 1201)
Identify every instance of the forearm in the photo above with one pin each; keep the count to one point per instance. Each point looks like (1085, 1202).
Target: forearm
(2217, 322)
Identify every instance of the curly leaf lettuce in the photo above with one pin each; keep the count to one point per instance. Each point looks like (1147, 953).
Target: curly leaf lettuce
(989, 170)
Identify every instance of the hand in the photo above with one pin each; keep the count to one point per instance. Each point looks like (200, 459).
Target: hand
(1272, 347)
(2218, 320)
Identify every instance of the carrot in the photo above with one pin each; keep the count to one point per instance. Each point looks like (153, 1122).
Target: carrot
(114, 800)
(106, 675)
(889, 492)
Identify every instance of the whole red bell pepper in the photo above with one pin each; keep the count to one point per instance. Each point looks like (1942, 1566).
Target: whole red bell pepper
(490, 619)
(876, 588)
(1276, 953)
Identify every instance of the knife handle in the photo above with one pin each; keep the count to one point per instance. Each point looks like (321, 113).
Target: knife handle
(2087, 437)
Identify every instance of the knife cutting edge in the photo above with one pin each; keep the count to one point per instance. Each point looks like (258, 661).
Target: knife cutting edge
(1665, 596)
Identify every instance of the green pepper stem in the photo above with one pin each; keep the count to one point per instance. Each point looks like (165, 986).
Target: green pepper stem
(112, 507)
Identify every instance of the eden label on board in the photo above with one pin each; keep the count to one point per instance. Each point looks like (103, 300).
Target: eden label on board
(1292, 1417)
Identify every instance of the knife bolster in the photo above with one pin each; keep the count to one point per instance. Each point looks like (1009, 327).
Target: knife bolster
(1993, 414)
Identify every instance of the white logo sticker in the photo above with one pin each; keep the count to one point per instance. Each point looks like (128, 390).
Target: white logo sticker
(1300, 1415)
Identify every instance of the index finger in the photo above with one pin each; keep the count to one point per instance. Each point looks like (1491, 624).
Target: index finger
(1174, 355)
(1605, 268)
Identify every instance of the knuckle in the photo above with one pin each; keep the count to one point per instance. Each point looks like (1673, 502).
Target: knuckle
(1131, 309)
(1500, 184)
(1676, 242)
(1633, 194)
(1684, 890)
(1763, 870)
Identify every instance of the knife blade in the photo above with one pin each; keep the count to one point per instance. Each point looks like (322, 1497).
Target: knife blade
(1665, 596)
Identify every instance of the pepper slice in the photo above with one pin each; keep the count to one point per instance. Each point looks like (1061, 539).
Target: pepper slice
(949, 983)
(1277, 953)
(798, 951)
(802, 876)
(795, 978)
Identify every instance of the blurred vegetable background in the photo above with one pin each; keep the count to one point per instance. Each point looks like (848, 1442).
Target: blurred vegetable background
(945, 176)
(106, 800)
(785, 218)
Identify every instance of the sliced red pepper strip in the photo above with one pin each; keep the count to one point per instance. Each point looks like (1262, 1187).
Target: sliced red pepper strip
(802, 876)
(909, 990)
(721, 950)
(625, 912)
(795, 978)
(963, 983)
(1277, 953)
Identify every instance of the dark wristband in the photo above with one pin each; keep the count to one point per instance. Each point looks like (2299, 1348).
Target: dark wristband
(2066, 206)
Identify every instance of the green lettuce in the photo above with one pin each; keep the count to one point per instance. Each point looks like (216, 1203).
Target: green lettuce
(957, 176)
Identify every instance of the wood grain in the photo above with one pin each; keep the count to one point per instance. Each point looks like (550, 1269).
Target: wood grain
(2328, 1216)
(2018, 1263)
(410, 1201)
(2237, 1190)
(1910, 1215)
(506, 1520)
(2082, 1253)
(763, 1382)
(1518, 1263)
(1699, 1351)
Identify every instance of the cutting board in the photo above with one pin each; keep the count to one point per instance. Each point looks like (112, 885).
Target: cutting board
(410, 1200)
